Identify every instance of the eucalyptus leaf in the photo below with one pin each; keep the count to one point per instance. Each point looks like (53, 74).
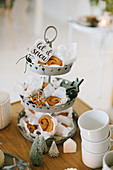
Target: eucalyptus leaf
(94, 2)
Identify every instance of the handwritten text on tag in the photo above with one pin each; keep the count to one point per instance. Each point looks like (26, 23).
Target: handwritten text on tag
(41, 51)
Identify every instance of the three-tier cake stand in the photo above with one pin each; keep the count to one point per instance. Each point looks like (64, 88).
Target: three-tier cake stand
(72, 90)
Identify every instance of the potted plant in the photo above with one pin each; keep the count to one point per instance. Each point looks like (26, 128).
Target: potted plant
(108, 5)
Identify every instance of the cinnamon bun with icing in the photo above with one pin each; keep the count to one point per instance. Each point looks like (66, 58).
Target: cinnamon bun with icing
(52, 61)
(52, 100)
(46, 123)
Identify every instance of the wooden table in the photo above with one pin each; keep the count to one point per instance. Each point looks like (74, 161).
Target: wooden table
(15, 143)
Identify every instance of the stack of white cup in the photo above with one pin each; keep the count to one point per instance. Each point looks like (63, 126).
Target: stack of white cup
(95, 134)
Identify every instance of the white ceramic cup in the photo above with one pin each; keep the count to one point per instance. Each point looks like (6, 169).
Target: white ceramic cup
(97, 147)
(92, 160)
(94, 125)
(5, 109)
(108, 161)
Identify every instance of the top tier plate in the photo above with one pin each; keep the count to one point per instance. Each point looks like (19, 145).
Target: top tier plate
(47, 70)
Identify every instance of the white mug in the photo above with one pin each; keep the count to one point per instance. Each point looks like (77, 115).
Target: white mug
(108, 161)
(92, 160)
(97, 147)
(5, 109)
(94, 125)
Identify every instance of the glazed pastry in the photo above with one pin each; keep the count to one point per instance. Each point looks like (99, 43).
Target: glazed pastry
(32, 111)
(64, 120)
(64, 125)
(52, 100)
(44, 85)
(31, 128)
(46, 123)
(41, 63)
(61, 130)
(2, 157)
(52, 61)
(25, 89)
(63, 113)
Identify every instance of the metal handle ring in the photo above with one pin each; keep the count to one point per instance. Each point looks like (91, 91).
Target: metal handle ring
(46, 39)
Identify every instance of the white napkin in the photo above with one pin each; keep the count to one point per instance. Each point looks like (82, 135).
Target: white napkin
(61, 93)
(67, 53)
(62, 130)
(30, 86)
(56, 83)
(48, 90)
(65, 120)
(69, 110)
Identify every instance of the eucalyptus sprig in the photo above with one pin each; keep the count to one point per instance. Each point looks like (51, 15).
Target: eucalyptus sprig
(108, 3)
(94, 2)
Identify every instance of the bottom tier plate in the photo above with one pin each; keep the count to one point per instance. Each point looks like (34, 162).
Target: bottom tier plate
(21, 164)
(56, 138)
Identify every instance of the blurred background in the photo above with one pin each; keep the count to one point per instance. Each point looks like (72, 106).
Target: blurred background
(22, 22)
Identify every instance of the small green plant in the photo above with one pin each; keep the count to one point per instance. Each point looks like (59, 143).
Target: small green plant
(109, 6)
(94, 2)
(108, 3)
(53, 151)
(43, 144)
(36, 154)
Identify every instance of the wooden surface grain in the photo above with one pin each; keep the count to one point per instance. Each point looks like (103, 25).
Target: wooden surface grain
(15, 143)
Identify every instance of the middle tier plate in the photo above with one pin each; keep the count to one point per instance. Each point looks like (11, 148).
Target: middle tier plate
(49, 109)
(71, 94)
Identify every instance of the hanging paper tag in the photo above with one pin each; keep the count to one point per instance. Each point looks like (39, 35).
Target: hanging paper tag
(41, 51)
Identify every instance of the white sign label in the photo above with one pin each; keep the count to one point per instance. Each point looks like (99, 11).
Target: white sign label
(41, 51)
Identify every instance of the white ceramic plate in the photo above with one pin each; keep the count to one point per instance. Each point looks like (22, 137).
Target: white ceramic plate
(48, 70)
(83, 21)
(9, 162)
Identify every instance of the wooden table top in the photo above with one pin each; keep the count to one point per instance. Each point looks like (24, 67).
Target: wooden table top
(15, 143)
